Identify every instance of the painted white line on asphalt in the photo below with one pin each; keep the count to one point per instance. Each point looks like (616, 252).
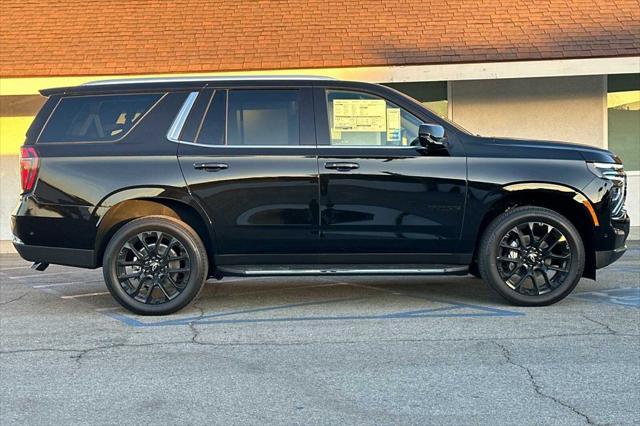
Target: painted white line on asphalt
(19, 277)
(75, 296)
(15, 268)
(67, 283)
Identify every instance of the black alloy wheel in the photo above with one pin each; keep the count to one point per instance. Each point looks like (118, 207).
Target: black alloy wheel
(532, 256)
(155, 265)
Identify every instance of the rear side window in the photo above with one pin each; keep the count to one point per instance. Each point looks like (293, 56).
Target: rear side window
(101, 118)
(263, 117)
(213, 127)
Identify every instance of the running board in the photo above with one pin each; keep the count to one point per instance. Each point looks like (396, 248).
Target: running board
(273, 270)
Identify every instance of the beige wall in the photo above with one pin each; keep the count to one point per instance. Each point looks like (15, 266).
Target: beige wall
(568, 109)
(571, 109)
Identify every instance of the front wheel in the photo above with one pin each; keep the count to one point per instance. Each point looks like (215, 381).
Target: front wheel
(531, 256)
(155, 265)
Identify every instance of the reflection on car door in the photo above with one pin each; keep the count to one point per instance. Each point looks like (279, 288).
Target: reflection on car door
(381, 199)
(252, 164)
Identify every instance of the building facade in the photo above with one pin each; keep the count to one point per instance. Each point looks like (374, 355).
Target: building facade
(559, 70)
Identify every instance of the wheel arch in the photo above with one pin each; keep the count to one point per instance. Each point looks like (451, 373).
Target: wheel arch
(128, 209)
(562, 199)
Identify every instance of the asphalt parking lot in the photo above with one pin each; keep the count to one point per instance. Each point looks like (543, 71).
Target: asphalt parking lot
(406, 350)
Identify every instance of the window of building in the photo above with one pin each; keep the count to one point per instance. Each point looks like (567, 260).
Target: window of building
(102, 118)
(432, 94)
(263, 117)
(357, 119)
(623, 102)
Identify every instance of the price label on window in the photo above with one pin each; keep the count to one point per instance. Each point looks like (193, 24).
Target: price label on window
(393, 125)
(359, 115)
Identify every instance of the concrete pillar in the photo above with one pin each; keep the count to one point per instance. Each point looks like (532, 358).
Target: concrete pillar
(571, 109)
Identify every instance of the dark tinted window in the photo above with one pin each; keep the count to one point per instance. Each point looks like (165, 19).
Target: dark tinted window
(263, 117)
(212, 130)
(96, 118)
(191, 126)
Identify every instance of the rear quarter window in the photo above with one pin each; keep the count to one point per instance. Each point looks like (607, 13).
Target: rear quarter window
(100, 118)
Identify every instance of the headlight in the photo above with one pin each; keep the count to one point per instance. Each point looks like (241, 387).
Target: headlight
(614, 173)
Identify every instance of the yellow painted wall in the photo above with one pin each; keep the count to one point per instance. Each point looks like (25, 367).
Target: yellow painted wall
(12, 133)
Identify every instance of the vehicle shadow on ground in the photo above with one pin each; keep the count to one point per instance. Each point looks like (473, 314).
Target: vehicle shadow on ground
(322, 299)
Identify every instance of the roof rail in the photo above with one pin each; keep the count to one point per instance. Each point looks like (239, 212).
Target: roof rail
(204, 79)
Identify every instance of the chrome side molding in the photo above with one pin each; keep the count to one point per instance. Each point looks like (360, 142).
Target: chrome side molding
(344, 271)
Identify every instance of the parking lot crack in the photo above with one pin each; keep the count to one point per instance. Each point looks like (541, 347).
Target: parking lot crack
(14, 299)
(536, 386)
(600, 323)
(192, 325)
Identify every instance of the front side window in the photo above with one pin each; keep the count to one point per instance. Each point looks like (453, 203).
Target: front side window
(361, 119)
(101, 118)
(263, 117)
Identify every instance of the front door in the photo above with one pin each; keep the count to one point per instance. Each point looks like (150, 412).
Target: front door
(251, 162)
(383, 200)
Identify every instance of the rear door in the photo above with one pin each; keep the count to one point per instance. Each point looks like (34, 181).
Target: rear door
(383, 200)
(249, 157)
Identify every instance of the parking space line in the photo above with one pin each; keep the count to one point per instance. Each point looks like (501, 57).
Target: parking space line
(15, 268)
(19, 277)
(66, 283)
(76, 296)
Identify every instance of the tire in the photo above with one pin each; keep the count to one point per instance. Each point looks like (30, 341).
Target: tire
(149, 278)
(525, 259)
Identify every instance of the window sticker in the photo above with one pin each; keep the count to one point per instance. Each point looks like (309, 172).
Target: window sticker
(393, 125)
(359, 115)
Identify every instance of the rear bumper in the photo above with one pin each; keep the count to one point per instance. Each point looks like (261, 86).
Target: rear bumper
(56, 255)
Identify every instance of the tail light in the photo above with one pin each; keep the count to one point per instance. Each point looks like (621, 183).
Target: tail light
(29, 164)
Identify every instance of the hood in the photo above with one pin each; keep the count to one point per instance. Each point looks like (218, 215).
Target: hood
(527, 148)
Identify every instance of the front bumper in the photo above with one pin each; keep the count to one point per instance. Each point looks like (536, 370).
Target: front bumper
(56, 255)
(620, 234)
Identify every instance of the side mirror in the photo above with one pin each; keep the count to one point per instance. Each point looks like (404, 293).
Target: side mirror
(431, 135)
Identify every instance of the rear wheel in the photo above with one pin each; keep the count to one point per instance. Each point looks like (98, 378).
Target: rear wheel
(155, 265)
(531, 256)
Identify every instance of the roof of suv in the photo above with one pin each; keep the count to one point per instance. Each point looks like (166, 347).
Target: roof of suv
(184, 83)
(206, 79)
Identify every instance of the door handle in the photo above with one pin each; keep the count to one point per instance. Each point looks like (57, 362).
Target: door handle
(342, 167)
(211, 167)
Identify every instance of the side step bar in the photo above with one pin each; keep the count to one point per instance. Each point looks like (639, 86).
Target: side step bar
(266, 271)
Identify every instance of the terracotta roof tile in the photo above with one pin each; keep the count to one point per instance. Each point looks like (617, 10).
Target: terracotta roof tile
(94, 37)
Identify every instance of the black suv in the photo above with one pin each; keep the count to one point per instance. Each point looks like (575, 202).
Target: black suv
(167, 182)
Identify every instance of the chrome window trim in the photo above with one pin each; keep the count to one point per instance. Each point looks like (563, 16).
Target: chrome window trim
(178, 123)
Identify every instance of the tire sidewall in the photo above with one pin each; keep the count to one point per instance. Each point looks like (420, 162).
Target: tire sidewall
(187, 237)
(490, 248)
